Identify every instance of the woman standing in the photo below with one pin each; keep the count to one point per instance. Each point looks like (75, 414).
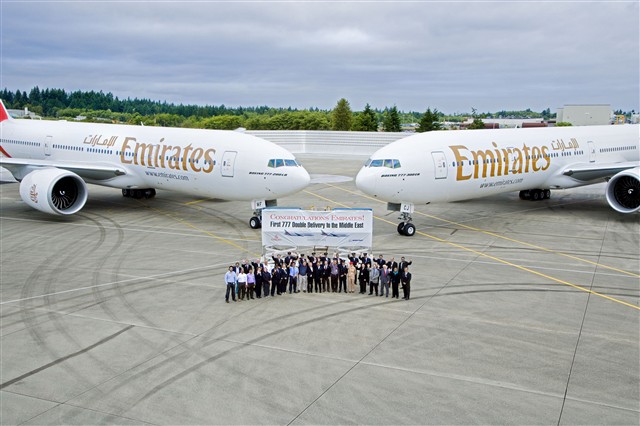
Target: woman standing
(351, 278)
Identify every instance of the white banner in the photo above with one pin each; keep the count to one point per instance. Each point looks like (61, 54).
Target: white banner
(335, 228)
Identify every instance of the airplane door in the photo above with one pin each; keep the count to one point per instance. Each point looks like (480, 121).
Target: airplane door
(47, 146)
(439, 164)
(592, 152)
(228, 161)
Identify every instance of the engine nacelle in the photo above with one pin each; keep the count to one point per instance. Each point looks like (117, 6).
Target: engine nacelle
(54, 191)
(623, 191)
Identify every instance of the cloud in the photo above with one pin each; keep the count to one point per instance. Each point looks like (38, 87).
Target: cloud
(453, 55)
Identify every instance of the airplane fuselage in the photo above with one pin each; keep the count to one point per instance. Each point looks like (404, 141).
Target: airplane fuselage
(458, 165)
(219, 164)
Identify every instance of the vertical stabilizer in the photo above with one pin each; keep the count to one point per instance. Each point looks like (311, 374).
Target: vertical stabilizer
(4, 114)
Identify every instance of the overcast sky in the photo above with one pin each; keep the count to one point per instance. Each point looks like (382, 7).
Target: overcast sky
(453, 55)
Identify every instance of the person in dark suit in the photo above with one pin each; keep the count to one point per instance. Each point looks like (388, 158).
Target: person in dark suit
(259, 280)
(406, 283)
(342, 278)
(266, 280)
(318, 271)
(403, 263)
(363, 277)
(276, 280)
(380, 261)
(392, 264)
(326, 273)
(395, 283)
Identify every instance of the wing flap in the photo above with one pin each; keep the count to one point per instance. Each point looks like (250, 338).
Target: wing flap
(589, 172)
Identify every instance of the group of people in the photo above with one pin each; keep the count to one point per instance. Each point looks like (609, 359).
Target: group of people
(299, 273)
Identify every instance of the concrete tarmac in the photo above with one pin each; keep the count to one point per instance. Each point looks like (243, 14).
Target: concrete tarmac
(521, 313)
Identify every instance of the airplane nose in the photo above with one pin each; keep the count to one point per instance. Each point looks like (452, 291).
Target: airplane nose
(364, 182)
(302, 179)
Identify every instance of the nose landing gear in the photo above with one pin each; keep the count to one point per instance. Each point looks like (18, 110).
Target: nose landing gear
(406, 227)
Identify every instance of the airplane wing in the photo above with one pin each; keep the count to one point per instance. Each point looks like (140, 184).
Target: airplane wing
(593, 171)
(20, 167)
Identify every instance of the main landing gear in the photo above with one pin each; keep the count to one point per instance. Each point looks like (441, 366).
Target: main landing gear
(139, 193)
(535, 194)
(406, 227)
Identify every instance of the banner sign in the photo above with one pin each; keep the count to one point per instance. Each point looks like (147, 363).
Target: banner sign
(334, 228)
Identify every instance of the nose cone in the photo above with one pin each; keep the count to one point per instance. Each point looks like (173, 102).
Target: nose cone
(365, 182)
(302, 179)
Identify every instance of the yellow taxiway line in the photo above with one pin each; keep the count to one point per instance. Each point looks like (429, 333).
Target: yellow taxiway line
(497, 259)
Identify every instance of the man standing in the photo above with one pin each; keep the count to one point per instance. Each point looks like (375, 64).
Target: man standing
(293, 277)
(266, 280)
(363, 277)
(406, 283)
(374, 278)
(302, 277)
(384, 280)
(335, 272)
(403, 263)
(230, 279)
(342, 278)
(395, 282)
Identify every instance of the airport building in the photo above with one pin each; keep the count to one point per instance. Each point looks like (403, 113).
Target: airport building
(585, 115)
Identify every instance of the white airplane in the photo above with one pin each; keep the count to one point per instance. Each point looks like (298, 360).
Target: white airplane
(460, 165)
(53, 160)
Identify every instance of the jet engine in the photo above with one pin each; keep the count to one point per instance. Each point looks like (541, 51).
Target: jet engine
(623, 191)
(54, 191)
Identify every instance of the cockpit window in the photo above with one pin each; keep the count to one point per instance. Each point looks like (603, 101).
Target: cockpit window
(278, 162)
(387, 162)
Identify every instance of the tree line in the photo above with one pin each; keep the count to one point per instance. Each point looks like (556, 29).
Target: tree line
(98, 106)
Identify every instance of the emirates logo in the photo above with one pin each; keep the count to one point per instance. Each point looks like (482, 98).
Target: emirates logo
(33, 194)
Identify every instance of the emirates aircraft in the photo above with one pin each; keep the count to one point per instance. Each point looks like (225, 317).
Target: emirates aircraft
(54, 161)
(460, 165)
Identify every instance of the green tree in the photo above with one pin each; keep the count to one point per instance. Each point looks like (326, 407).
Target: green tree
(563, 124)
(222, 122)
(429, 121)
(391, 122)
(477, 121)
(341, 118)
(366, 121)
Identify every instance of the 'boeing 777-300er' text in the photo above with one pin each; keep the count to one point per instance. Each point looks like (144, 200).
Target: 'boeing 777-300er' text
(460, 165)
(53, 160)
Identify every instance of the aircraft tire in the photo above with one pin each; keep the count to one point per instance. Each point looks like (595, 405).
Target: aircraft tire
(547, 194)
(409, 230)
(255, 223)
(126, 192)
(535, 195)
(401, 228)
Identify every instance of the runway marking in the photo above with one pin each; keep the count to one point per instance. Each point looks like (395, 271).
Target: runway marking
(497, 259)
(198, 201)
(493, 234)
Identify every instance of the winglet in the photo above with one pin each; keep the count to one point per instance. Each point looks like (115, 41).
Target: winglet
(4, 115)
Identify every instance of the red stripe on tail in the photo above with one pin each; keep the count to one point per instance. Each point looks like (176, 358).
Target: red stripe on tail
(4, 115)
